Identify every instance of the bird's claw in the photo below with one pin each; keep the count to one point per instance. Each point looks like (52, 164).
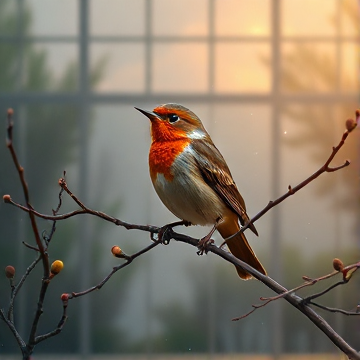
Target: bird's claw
(203, 245)
(164, 234)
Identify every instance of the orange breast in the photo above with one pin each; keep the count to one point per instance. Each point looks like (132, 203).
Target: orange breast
(168, 142)
(162, 155)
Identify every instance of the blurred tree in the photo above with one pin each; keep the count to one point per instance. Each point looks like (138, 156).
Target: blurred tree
(46, 137)
(306, 68)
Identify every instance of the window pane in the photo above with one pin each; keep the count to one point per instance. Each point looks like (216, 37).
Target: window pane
(174, 70)
(51, 67)
(247, 150)
(8, 17)
(122, 66)
(308, 67)
(242, 17)
(242, 67)
(53, 17)
(185, 17)
(317, 216)
(117, 17)
(9, 66)
(308, 17)
(350, 67)
(350, 17)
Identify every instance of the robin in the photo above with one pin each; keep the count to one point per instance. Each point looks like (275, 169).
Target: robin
(194, 182)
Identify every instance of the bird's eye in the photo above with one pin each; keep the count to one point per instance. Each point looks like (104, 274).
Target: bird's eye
(173, 118)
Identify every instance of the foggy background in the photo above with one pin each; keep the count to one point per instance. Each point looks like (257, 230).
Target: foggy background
(272, 81)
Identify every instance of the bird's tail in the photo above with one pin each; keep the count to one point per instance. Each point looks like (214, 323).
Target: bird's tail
(240, 248)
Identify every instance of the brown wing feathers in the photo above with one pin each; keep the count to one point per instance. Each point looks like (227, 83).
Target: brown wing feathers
(218, 176)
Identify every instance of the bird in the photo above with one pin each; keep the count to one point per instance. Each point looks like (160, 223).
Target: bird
(193, 181)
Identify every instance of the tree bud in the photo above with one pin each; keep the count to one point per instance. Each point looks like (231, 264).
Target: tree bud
(6, 198)
(56, 267)
(10, 272)
(338, 264)
(350, 124)
(116, 251)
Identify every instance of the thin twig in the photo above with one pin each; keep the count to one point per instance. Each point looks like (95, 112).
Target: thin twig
(12, 328)
(85, 210)
(309, 282)
(292, 298)
(335, 310)
(323, 292)
(289, 296)
(255, 307)
(20, 170)
(58, 329)
(292, 190)
(129, 260)
(18, 287)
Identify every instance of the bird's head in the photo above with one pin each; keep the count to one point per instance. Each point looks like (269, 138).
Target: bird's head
(171, 122)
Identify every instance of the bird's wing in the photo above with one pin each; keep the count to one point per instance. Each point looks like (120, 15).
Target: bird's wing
(216, 174)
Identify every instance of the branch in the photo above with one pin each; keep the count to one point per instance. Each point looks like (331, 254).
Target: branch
(12, 328)
(291, 298)
(167, 233)
(18, 287)
(20, 170)
(335, 310)
(350, 126)
(59, 327)
(117, 252)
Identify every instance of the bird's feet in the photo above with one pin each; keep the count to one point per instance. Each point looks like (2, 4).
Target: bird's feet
(204, 243)
(207, 240)
(164, 235)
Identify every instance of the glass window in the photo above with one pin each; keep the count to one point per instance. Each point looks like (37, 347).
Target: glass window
(52, 17)
(180, 18)
(180, 67)
(121, 67)
(308, 67)
(350, 25)
(9, 23)
(50, 66)
(308, 17)
(243, 67)
(349, 67)
(242, 17)
(123, 17)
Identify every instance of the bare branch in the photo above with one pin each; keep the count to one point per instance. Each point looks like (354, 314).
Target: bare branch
(20, 170)
(58, 329)
(293, 190)
(18, 287)
(148, 228)
(12, 328)
(129, 260)
(335, 310)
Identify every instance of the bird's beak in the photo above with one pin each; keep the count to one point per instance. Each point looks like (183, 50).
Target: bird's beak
(151, 115)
